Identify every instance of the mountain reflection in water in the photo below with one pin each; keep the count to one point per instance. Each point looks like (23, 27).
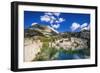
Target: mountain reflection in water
(69, 56)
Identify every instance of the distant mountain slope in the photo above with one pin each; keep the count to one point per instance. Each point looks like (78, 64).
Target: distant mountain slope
(82, 34)
(40, 30)
(43, 30)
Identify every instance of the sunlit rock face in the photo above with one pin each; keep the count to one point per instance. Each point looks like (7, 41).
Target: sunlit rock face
(31, 48)
(70, 43)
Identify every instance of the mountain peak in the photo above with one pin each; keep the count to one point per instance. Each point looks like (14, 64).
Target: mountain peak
(33, 24)
(53, 29)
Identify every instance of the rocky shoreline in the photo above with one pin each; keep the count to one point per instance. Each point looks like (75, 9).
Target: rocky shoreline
(41, 42)
(33, 47)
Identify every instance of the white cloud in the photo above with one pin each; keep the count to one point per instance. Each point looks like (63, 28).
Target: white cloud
(75, 26)
(48, 13)
(45, 18)
(52, 18)
(51, 22)
(55, 25)
(83, 25)
(56, 13)
(61, 19)
(86, 28)
(57, 21)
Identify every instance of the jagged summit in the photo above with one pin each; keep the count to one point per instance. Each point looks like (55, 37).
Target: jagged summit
(43, 30)
(37, 29)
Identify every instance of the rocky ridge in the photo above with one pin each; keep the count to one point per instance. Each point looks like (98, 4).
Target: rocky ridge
(38, 35)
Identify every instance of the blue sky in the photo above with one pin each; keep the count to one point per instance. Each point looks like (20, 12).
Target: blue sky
(69, 21)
